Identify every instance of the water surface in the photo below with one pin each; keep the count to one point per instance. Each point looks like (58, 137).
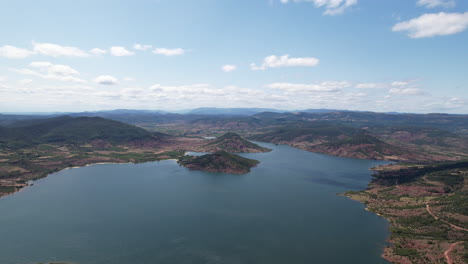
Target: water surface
(285, 211)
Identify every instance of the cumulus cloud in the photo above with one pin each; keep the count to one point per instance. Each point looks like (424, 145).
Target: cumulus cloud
(436, 3)
(274, 61)
(332, 7)
(49, 71)
(12, 52)
(106, 80)
(55, 50)
(328, 86)
(228, 68)
(120, 51)
(406, 91)
(169, 52)
(372, 85)
(385, 85)
(47, 49)
(142, 47)
(78, 97)
(25, 81)
(55, 69)
(98, 51)
(201, 88)
(430, 25)
(402, 83)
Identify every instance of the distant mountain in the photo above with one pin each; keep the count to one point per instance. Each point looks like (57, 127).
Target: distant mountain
(219, 162)
(233, 143)
(319, 110)
(8, 119)
(72, 130)
(231, 111)
(119, 112)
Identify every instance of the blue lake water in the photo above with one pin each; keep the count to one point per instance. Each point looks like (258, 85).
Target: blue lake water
(284, 211)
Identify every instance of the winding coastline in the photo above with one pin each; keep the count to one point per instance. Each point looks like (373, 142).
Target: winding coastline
(272, 175)
(389, 251)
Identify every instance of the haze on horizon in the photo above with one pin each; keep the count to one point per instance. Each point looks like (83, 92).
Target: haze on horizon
(383, 56)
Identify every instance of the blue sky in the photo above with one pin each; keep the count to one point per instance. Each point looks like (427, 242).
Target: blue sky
(384, 55)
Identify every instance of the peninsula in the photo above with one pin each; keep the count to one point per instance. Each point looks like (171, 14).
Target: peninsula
(233, 143)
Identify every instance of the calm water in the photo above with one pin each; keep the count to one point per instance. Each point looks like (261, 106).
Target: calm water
(284, 211)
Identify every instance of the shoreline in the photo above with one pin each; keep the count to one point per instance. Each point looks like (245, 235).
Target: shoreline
(387, 240)
(416, 234)
(388, 250)
(30, 183)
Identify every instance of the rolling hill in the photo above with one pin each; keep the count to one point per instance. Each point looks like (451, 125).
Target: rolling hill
(70, 130)
(233, 143)
(219, 162)
(333, 139)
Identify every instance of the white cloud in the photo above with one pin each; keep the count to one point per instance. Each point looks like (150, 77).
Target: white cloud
(402, 83)
(169, 52)
(128, 79)
(328, 86)
(54, 69)
(406, 91)
(106, 80)
(394, 84)
(228, 68)
(49, 71)
(77, 97)
(55, 50)
(436, 3)
(25, 81)
(3, 78)
(98, 51)
(12, 52)
(142, 47)
(371, 85)
(332, 7)
(121, 51)
(201, 88)
(274, 61)
(430, 25)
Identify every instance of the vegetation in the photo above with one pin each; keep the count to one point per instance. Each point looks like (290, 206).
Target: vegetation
(31, 149)
(411, 173)
(426, 204)
(69, 130)
(423, 198)
(221, 161)
(232, 142)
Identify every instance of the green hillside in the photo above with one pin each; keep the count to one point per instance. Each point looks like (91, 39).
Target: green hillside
(69, 130)
(334, 139)
(232, 142)
(221, 161)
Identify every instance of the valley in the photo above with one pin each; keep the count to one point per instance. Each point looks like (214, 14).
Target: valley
(423, 193)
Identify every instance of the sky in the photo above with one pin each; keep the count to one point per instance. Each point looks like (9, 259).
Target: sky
(366, 55)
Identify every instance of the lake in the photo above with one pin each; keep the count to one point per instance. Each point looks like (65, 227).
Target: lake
(284, 211)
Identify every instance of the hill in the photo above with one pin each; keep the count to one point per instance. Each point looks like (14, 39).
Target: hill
(232, 142)
(230, 111)
(31, 149)
(427, 208)
(219, 162)
(334, 139)
(70, 130)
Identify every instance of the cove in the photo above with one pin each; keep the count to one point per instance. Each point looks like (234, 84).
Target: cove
(284, 211)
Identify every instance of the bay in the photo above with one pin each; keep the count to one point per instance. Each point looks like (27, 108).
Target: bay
(284, 211)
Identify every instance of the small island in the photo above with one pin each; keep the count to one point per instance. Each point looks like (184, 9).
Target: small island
(220, 161)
